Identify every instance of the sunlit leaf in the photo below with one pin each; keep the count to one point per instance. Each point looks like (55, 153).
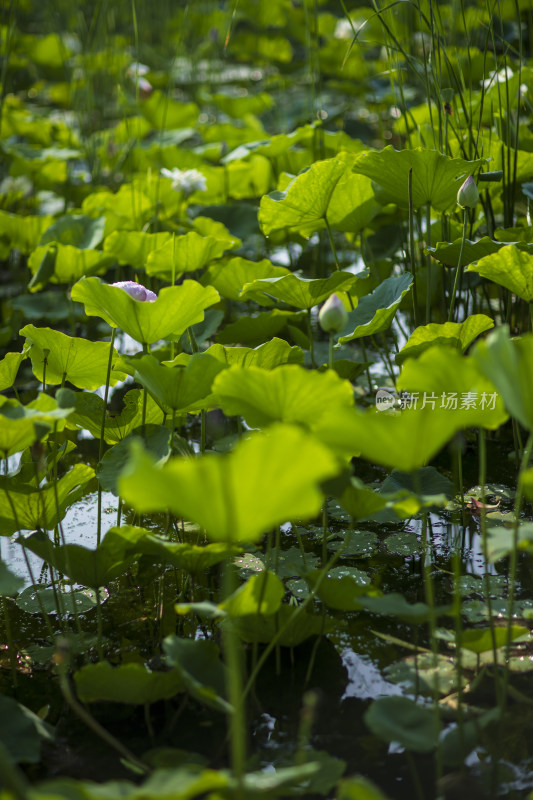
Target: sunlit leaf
(375, 312)
(250, 490)
(455, 334)
(176, 308)
(289, 393)
(127, 683)
(298, 292)
(509, 267)
(79, 361)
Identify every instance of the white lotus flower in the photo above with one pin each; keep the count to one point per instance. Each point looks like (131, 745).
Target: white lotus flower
(186, 181)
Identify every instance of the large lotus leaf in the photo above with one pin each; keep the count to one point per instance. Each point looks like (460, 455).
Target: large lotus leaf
(254, 330)
(79, 361)
(185, 253)
(269, 478)
(405, 440)
(395, 605)
(273, 146)
(448, 253)
(22, 233)
(500, 540)
(299, 292)
(128, 209)
(22, 732)
(175, 310)
(229, 276)
(304, 204)
(179, 388)
(509, 365)
(20, 425)
(128, 683)
(156, 440)
(43, 507)
(353, 204)
(261, 594)
(89, 408)
(376, 311)
(267, 356)
(217, 230)
(427, 484)
(510, 267)
(289, 393)
(443, 378)
(134, 247)
(435, 176)
(481, 640)
(9, 582)
(191, 557)
(455, 334)
(165, 114)
(94, 568)
(77, 230)
(398, 719)
(70, 264)
(9, 367)
(297, 626)
(203, 673)
(341, 587)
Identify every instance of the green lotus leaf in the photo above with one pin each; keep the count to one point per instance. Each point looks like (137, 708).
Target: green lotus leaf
(398, 719)
(127, 683)
(79, 361)
(22, 233)
(9, 367)
(22, 732)
(179, 388)
(297, 626)
(185, 253)
(84, 233)
(89, 408)
(250, 490)
(229, 276)
(175, 310)
(157, 442)
(341, 587)
(128, 209)
(509, 267)
(298, 292)
(203, 673)
(21, 426)
(267, 356)
(405, 440)
(435, 176)
(455, 334)
(165, 114)
(376, 311)
(481, 640)
(9, 582)
(261, 594)
(254, 330)
(94, 568)
(191, 557)
(304, 204)
(70, 264)
(133, 247)
(288, 393)
(37, 507)
(445, 379)
(353, 204)
(500, 540)
(508, 364)
(448, 253)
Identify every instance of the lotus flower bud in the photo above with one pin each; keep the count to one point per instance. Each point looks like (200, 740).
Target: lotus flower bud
(333, 315)
(468, 194)
(137, 291)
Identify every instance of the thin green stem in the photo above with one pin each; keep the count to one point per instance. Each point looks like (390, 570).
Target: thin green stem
(459, 270)
(102, 433)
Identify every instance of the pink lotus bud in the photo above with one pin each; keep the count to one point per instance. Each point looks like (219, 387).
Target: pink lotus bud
(468, 194)
(137, 291)
(333, 315)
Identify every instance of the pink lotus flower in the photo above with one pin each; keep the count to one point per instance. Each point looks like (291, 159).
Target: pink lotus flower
(137, 291)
